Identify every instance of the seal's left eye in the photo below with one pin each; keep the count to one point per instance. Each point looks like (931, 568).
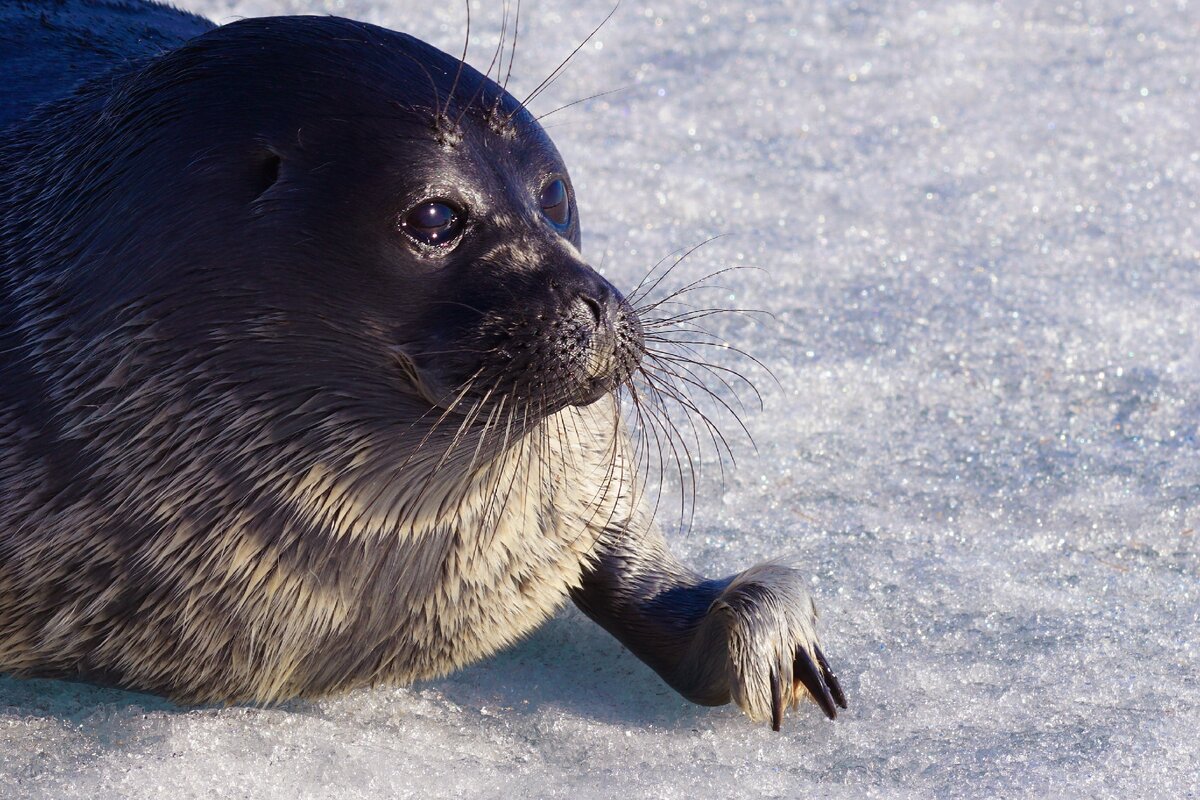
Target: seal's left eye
(556, 203)
(433, 222)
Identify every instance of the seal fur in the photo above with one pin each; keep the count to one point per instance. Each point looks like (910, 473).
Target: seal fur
(257, 444)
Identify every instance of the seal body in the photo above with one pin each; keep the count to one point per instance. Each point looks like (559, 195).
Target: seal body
(49, 46)
(305, 385)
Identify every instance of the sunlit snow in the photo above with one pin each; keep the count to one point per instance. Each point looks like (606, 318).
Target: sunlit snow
(976, 227)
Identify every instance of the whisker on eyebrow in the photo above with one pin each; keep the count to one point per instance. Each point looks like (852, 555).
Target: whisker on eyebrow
(557, 71)
(462, 62)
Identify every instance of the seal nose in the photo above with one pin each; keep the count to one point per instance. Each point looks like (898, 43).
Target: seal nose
(600, 340)
(613, 323)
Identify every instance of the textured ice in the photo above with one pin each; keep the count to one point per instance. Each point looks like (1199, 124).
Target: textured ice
(978, 234)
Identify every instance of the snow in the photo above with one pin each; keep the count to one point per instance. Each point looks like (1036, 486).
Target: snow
(976, 227)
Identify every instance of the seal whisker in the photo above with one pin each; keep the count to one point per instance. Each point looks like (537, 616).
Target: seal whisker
(614, 454)
(642, 291)
(653, 423)
(462, 62)
(513, 54)
(662, 423)
(433, 475)
(531, 442)
(437, 98)
(606, 463)
(467, 422)
(642, 449)
(382, 487)
(659, 380)
(720, 344)
(554, 74)
(446, 412)
(715, 370)
(591, 97)
(693, 367)
(637, 289)
(670, 335)
(492, 508)
(496, 55)
(498, 411)
(674, 346)
(683, 399)
(703, 281)
(506, 8)
(692, 313)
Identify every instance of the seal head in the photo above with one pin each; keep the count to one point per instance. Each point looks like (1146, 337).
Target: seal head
(407, 222)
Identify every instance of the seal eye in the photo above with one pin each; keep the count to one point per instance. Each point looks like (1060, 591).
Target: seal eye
(433, 223)
(556, 203)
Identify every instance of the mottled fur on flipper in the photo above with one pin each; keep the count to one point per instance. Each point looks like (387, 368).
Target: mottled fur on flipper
(773, 644)
(750, 638)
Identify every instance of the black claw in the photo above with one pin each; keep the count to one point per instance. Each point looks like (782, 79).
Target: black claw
(776, 701)
(831, 679)
(806, 672)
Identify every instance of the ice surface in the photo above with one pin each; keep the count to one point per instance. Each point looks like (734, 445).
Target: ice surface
(979, 236)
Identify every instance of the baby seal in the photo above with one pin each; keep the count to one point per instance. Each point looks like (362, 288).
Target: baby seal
(305, 385)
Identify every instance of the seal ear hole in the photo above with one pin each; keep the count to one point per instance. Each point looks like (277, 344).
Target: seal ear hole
(268, 173)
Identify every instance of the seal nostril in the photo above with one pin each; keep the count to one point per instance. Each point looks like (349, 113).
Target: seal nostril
(594, 306)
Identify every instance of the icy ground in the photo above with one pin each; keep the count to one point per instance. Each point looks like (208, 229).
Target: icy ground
(979, 232)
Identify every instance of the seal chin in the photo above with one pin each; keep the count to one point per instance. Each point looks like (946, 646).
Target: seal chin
(597, 391)
(611, 361)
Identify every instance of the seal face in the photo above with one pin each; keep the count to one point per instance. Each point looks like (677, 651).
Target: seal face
(305, 385)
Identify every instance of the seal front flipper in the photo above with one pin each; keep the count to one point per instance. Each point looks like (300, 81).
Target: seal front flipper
(750, 638)
(774, 656)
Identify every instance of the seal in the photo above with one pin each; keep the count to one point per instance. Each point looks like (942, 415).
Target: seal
(305, 384)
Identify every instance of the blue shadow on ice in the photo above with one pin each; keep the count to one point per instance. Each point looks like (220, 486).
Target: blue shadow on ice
(568, 664)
